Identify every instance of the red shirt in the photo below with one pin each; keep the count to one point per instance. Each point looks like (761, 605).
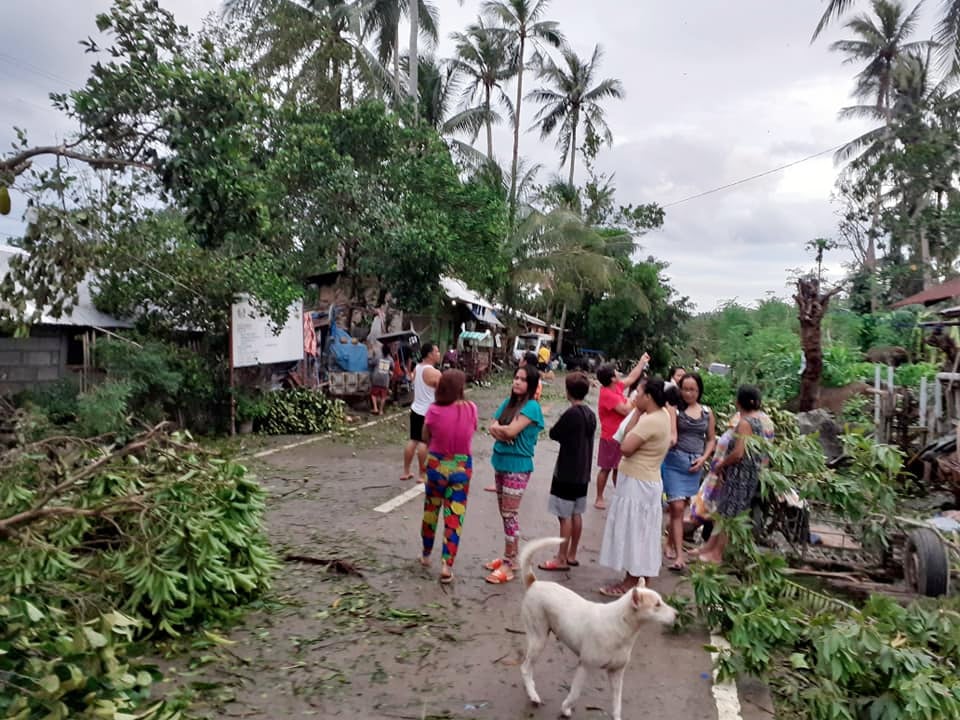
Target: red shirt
(610, 397)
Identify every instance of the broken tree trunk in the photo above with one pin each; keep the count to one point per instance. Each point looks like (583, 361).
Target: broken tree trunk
(811, 307)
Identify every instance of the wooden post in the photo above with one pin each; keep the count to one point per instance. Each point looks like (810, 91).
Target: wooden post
(233, 395)
(876, 397)
(892, 405)
(923, 403)
(937, 404)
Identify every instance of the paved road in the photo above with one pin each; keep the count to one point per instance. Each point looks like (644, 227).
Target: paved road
(465, 665)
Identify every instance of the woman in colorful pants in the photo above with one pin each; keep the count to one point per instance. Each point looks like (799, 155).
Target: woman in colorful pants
(516, 427)
(448, 432)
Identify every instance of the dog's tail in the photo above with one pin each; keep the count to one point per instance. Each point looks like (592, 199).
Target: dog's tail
(526, 571)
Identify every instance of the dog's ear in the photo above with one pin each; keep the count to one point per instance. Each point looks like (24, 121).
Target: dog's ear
(644, 598)
(641, 582)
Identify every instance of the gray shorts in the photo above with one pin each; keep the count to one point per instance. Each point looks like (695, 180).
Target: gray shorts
(566, 508)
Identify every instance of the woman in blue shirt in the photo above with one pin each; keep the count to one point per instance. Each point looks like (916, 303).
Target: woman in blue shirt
(516, 427)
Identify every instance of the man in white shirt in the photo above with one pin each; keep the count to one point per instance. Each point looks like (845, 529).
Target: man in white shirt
(426, 377)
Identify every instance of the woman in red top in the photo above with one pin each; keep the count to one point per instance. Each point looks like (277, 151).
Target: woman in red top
(448, 432)
(611, 409)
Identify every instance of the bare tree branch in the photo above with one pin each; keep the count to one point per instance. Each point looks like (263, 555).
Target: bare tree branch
(20, 163)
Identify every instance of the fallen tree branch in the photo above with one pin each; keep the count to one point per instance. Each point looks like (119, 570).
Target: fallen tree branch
(38, 510)
(8, 526)
(343, 567)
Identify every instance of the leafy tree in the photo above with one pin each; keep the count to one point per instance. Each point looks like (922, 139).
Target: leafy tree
(881, 40)
(273, 194)
(557, 256)
(141, 114)
(642, 312)
(570, 98)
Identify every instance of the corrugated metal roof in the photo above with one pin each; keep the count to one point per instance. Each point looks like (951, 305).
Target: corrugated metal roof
(936, 293)
(83, 314)
(458, 290)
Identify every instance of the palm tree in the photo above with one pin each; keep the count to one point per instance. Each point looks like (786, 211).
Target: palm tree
(880, 41)
(570, 98)
(310, 46)
(947, 32)
(484, 61)
(560, 256)
(521, 22)
(383, 17)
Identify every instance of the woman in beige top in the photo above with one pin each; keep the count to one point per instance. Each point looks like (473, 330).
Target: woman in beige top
(631, 536)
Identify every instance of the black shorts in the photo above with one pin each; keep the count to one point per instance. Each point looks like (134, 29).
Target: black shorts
(416, 426)
(543, 367)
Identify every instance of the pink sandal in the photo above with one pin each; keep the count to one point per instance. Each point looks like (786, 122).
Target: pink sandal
(499, 576)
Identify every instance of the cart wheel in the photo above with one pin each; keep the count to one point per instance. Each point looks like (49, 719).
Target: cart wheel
(795, 525)
(925, 564)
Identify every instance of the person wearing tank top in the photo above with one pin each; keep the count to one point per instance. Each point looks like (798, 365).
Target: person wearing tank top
(426, 377)
(695, 439)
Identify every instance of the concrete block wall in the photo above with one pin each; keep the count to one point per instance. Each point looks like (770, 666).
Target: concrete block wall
(27, 362)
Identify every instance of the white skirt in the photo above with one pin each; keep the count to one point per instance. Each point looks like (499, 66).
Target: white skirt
(631, 536)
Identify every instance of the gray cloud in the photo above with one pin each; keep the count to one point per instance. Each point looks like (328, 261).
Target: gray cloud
(715, 92)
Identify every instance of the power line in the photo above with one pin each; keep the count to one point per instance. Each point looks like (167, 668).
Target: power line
(31, 68)
(754, 177)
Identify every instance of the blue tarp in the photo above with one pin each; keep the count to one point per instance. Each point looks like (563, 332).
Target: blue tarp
(350, 357)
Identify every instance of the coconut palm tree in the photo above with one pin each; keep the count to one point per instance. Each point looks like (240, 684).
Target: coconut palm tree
(557, 255)
(881, 39)
(947, 33)
(311, 46)
(382, 19)
(484, 62)
(572, 97)
(522, 23)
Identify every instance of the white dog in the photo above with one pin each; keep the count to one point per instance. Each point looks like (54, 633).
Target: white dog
(601, 634)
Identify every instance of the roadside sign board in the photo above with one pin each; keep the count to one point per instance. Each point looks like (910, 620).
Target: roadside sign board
(254, 340)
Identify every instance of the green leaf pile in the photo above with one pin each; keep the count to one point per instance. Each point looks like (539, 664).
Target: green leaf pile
(101, 543)
(302, 412)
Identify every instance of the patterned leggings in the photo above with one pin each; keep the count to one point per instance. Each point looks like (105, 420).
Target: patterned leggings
(510, 488)
(448, 482)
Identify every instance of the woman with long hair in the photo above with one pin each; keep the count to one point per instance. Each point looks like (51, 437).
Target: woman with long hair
(448, 432)
(684, 464)
(516, 427)
(739, 470)
(631, 536)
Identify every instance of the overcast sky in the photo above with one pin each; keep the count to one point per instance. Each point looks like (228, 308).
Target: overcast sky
(715, 92)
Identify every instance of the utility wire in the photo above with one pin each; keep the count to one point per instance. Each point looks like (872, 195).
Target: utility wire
(754, 177)
(31, 68)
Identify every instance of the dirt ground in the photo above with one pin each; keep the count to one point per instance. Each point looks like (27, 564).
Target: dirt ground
(392, 642)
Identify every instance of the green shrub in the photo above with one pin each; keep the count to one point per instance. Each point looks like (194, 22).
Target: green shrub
(302, 412)
(104, 409)
(718, 392)
(57, 400)
(58, 668)
(910, 375)
(842, 366)
(166, 381)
